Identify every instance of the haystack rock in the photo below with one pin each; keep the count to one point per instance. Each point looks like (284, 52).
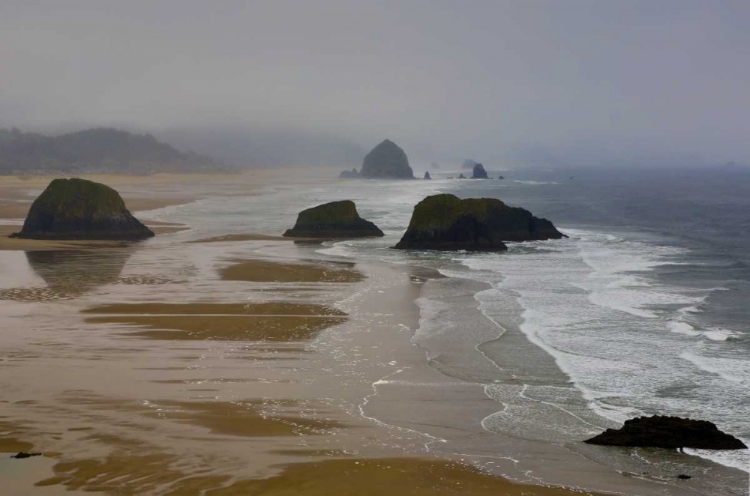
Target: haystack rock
(333, 220)
(478, 172)
(668, 432)
(81, 209)
(387, 161)
(445, 222)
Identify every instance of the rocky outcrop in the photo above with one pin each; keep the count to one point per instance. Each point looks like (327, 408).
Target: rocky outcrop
(427, 175)
(668, 432)
(333, 220)
(81, 209)
(478, 172)
(349, 174)
(445, 222)
(387, 161)
(461, 176)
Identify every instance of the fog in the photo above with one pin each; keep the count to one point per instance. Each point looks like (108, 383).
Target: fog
(511, 82)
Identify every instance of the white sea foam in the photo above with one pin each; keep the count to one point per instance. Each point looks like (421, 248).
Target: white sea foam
(739, 459)
(728, 369)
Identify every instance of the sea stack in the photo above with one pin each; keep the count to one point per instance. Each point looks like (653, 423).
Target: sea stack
(478, 172)
(71, 209)
(386, 161)
(427, 175)
(445, 222)
(333, 220)
(668, 432)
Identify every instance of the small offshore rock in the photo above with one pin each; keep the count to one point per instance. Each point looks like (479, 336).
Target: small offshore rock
(349, 174)
(338, 219)
(72, 209)
(445, 222)
(427, 175)
(668, 432)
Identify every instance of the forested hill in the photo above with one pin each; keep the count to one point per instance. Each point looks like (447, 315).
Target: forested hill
(95, 150)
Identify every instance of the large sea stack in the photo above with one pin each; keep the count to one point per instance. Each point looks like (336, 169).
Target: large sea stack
(478, 172)
(333, 220)
(386, 161)
(668, 432)
(81, 209)
(445, 222)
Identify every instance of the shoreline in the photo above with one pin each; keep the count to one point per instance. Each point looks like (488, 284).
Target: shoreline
(359, 390)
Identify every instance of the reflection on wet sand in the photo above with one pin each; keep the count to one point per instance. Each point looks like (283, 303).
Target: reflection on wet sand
(221, 321)
(70, 273)
(266, 271)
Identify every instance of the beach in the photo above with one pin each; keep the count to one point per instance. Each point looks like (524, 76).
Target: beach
(221, 359)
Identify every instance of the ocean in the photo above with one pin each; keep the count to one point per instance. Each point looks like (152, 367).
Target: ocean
(642, 310)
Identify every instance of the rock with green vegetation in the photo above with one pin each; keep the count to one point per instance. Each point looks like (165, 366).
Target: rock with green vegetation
(333, 220)
(478, 172)
(445, 222)
(386, 161)
(81, 209)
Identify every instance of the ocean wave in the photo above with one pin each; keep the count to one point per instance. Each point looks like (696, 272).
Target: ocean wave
(726, 368)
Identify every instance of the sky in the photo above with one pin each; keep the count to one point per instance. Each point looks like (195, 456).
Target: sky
(599, 82)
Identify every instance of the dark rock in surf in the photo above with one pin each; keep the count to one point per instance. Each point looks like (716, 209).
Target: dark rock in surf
(478, 172)
(349, 174)
(81, 209)
(461, 176)
(668, 432)
(22, 454)
(684, 477)
(386, 161)
(427, 175)
(333, 220)
(445, 222)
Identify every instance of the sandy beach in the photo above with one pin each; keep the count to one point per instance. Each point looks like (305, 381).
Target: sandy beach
(226, 364)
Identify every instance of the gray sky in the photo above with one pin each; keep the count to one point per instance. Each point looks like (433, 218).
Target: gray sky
(587, 79)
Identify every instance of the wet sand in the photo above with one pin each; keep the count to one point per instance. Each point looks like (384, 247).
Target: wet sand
(164, 372)
(267, 271)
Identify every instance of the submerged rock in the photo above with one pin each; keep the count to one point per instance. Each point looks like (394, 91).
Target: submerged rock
(445, 222)
(668, 432)
(333, 220)
(352, 174)
(81, 209)
(427, 175)
(478, 172)
(387, 160)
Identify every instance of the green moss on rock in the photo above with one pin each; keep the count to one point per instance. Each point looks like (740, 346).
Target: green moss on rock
(387, 161)
(445, 222)
(333, 220)
(81, 209)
